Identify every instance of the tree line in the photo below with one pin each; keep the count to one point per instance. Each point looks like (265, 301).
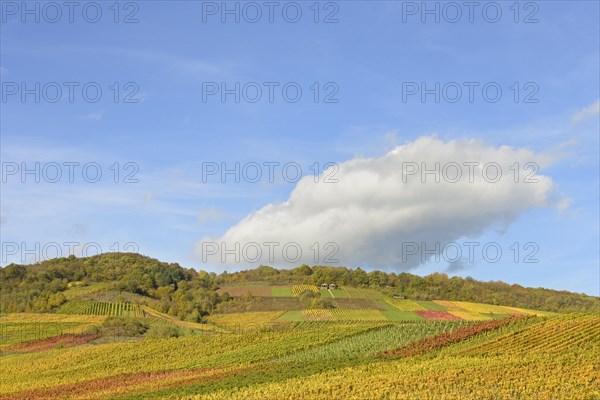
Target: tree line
(191, 294)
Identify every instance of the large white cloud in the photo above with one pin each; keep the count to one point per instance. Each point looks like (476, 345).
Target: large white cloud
(377, 205)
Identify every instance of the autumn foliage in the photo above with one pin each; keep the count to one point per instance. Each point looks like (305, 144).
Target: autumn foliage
(444, 339)
(66, 340)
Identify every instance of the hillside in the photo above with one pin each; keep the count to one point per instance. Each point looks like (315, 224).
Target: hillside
(261, 304)
(192, 295)
(124, 326)
(530, 357)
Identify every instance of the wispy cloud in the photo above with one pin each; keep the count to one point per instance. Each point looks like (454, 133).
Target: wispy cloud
(586, 113)
(211, 214)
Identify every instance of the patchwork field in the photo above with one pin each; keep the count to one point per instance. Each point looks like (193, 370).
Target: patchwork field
(285, 298)
(372, 304)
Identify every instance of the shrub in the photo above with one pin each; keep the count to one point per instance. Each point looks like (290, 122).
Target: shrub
(92, 330)
(163, 331)
(306, 296)
(321, 303)
(119, 326)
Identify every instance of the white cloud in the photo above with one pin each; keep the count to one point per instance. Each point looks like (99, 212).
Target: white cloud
(370, 212)
(586, 113)
(564, 204)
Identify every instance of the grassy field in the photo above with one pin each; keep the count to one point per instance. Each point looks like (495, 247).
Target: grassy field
(397, 315)
(340, 293)
(291, 316)
(281, 291)
(405, 305)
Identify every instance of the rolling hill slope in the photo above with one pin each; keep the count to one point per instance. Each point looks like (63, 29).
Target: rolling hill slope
(130, 327)
(528, 357)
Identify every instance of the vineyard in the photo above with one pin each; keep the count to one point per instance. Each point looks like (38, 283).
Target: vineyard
(247, 321)
(227, 351)
(12, 333)
(469, 316)
(395, 310)
(391, 309)
(328, 354)
(365, 345)
(571, 373)
(154, 317)
(102, 328)
(297, 290)
(493, 309)
(358, 315)
(118, 309)
(406, 305)
(23, 328)
(33, 317)
(552, 336)
(438, 315)
(445, 338)
(317, 315)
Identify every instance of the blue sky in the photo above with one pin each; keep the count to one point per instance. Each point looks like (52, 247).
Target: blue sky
(366, 62)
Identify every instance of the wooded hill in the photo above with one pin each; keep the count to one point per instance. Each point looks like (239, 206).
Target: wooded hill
(191, 295)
